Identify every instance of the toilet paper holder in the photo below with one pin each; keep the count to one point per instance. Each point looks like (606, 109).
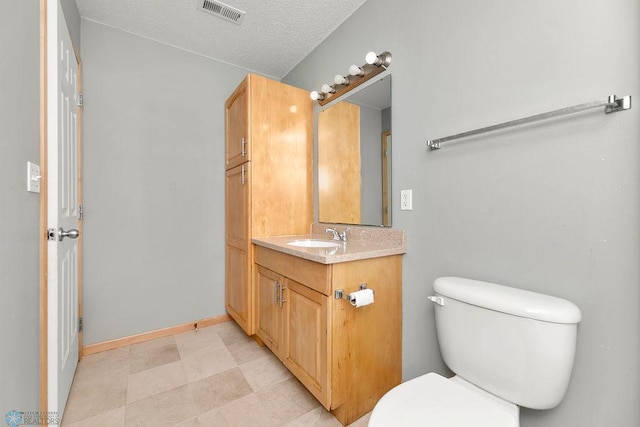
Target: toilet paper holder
(339, 293)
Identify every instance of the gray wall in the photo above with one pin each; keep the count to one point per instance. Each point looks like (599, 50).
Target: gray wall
(153, 183)
(19, 210)
(551, 207)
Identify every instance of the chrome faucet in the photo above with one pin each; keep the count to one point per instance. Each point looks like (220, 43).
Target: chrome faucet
(338, 235)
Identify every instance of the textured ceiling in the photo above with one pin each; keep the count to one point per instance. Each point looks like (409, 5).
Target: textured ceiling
(273, 38)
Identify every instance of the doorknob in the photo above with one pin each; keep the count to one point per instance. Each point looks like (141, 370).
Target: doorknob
(72, 234)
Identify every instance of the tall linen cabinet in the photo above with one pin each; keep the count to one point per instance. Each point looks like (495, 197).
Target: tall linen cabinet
(268, 180)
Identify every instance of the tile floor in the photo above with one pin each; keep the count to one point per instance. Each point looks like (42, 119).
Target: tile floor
(216, 376)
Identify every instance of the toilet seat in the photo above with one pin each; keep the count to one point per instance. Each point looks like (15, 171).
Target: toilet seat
(432, 400)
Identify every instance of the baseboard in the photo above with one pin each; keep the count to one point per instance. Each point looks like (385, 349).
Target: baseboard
(146, 336)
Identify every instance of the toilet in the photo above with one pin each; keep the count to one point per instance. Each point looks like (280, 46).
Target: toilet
(508, 348)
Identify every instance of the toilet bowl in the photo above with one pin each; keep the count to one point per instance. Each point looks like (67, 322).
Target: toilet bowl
(508, 348)
(433, 400)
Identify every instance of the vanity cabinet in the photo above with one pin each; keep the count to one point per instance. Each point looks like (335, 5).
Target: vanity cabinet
(268, 181)
(288, 309)
(347, 357)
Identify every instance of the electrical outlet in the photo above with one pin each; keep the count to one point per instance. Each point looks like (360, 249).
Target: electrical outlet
(406, 203)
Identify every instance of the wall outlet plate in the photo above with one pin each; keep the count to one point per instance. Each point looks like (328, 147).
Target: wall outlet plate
(406, 202)
(33, 177)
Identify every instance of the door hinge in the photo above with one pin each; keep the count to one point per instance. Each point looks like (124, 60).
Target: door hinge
(80, 324)
(80, 212)
(80, 100)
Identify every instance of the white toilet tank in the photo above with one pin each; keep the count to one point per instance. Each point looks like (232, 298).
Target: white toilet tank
(516, 344)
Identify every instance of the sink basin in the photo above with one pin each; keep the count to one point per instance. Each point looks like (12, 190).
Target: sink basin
(311, 243)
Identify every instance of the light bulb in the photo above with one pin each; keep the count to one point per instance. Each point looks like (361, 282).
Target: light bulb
(354, 70)
(383, 60)
(339, 79)
(372, 59)
(328, 89)
(316, 96)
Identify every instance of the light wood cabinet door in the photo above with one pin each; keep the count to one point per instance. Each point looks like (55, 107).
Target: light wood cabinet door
(269, 301)
(237, 189)
(238, 260)
(306, 337)
(236, 116)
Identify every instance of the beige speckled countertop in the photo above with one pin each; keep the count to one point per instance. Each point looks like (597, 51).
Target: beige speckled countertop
(362, 243)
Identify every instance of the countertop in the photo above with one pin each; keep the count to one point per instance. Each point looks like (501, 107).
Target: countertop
(382, 242)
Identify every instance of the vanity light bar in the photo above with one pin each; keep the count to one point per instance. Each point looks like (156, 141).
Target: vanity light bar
(375, 64)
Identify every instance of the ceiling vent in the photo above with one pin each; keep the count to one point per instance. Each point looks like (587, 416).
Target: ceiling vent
(221, 10)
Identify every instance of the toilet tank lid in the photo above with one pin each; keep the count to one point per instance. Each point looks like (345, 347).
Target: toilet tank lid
(505, 299)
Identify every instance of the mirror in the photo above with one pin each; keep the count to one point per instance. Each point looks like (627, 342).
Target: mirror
(354, 157)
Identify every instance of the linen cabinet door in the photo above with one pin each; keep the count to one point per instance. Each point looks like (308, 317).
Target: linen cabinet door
(306, 351)
(238, 248)
(269, 300)
(237, 118)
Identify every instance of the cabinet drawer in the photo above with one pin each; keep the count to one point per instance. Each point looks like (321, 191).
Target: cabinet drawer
(314, 275)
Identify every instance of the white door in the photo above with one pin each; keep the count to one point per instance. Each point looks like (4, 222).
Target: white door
(63, 210)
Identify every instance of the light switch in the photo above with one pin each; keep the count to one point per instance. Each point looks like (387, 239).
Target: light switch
(33, 177)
